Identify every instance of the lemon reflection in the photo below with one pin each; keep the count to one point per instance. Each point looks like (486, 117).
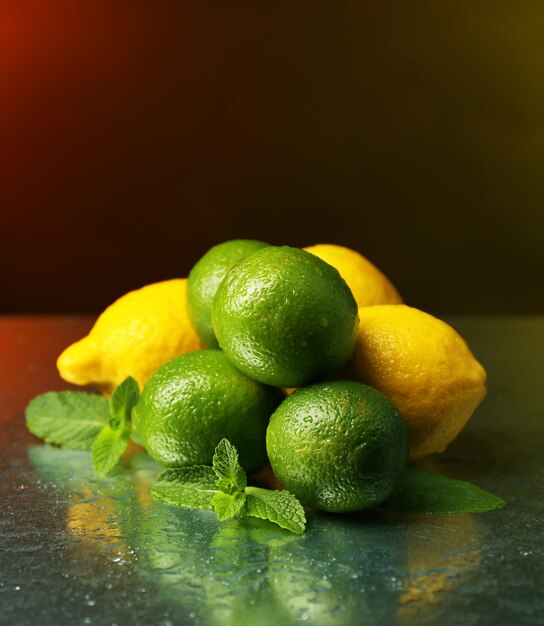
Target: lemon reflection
(443, 552)
(91, 514)
(92, 519)
(90, 504)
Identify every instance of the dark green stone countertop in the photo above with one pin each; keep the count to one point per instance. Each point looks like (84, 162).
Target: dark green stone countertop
(78, 549)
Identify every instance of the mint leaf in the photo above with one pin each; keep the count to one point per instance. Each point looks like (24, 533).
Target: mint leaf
(122, 400)
(108, 447)
(223, 488)
(67, 418)
(421, 491)
(228, 505)
(230, 474)
(192, 487)
(280, 507)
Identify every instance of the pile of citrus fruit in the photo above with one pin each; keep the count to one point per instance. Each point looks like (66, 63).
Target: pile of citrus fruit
(306, 359)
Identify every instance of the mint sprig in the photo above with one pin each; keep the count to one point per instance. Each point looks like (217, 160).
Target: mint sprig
(86, 421)
(112, 441)
(421, 491)
(223, 488)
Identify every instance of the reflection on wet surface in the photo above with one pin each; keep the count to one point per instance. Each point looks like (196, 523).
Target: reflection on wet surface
(80, 549)
(384, 566)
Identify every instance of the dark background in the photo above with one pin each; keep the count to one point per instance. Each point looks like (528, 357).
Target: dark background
(133, 136)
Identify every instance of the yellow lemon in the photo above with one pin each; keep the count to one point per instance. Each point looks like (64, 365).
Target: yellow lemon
(424, 367)
(133, 336)
(367, 283)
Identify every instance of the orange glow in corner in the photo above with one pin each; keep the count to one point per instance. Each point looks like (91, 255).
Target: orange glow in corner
(107, 112)
(57, 61)
(76, 80)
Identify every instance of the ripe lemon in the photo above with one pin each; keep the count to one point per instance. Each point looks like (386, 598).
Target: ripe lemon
(285, 317)
(339, 446)
(367, 283)
(204, 279)
(194, 400)
(132, 337)
(424, 367)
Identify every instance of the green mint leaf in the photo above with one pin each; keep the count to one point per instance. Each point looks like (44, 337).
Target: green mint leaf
(108, 448)
(122, 400)
(280, 507)
(421, 491)
(228, 505)
(192, 487)
(71, 419)
(230, 474)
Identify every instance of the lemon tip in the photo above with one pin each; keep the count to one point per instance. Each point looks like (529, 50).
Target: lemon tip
(75, 363)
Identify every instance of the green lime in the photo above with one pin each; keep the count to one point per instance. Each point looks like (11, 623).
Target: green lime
(204, 279)
(194, 400)
(339, 446)
(285, 317)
